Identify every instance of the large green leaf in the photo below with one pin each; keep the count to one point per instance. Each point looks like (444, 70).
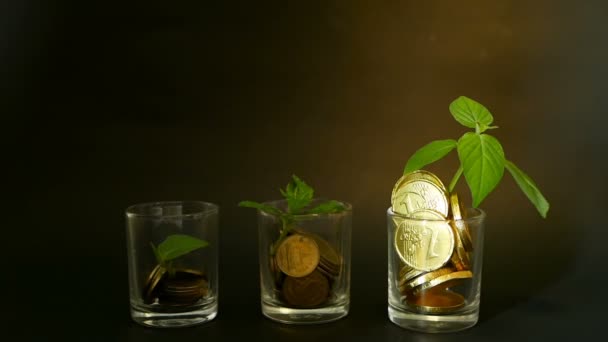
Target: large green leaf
(529, 188)
(429, 153)
(483, 162)
(177, 245)
(471, 113)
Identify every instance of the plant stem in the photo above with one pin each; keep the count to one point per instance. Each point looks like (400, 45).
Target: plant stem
(170, 269)
(455, 178)
(286, 228)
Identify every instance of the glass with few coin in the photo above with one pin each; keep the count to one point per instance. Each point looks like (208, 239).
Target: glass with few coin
(305, 265)
(435, 248)
(172, 250)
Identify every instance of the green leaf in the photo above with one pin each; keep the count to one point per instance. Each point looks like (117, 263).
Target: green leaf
(471, 113)
(429, 153)
(261, 206)
(298, 195)
(177, 245)
(483, 162)
(328, 207)
(529, 188)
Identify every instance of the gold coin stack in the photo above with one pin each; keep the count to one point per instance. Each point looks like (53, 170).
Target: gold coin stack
(304, 268)
(433, 246)
(181, 287)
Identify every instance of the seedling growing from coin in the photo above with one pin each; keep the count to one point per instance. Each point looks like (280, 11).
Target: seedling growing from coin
(482, 158)
(299, 197)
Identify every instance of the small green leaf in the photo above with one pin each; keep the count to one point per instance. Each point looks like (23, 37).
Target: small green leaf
(261, 206)
(471, 113)
(177, 245)
(429, 153)
(483, 162)
(529, 188)
(328, 207)
(299, 195)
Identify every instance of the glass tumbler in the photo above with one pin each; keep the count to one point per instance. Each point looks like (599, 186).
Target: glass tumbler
(172, 250)
(441, 294)
(305, 266)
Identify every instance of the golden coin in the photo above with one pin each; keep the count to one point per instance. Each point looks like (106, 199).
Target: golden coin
(183, 287)
(425, 278)
(460, 257)
(328, 254)
(297, 256)
(446, 280)
(152, 283)
(459, 223)
(332, 271)
(436, 301)
(407, 273)
(152, 274)
(326, 273)
(429, 176)
(306, 292)
(424, 245)
(419, 190)
(427, 214)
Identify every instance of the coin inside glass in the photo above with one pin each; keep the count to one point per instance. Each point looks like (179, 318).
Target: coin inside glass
(424, 245)
(445, 280)
(298, 255)
(458, 211)
(309, 291)
(419, 190)
(436, 301)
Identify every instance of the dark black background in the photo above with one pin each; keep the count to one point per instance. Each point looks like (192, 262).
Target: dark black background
(109, 103)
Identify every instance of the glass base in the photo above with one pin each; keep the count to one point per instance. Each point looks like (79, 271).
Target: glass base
(305, 316)
(432, 323)
(174, 319)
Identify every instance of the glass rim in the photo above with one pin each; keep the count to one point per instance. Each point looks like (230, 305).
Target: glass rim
(479, 215)
(348, 208)
(200, 208)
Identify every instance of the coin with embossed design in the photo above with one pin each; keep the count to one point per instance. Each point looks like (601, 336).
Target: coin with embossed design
(422, 244)
(431, 177)
(419, 190)
(297, 256)
(459, 223)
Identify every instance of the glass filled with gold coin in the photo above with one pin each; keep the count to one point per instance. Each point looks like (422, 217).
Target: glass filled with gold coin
(435, 249)
(172, 251)
(305, 265)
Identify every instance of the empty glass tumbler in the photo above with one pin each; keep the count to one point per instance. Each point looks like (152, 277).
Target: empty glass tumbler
(172, 250)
